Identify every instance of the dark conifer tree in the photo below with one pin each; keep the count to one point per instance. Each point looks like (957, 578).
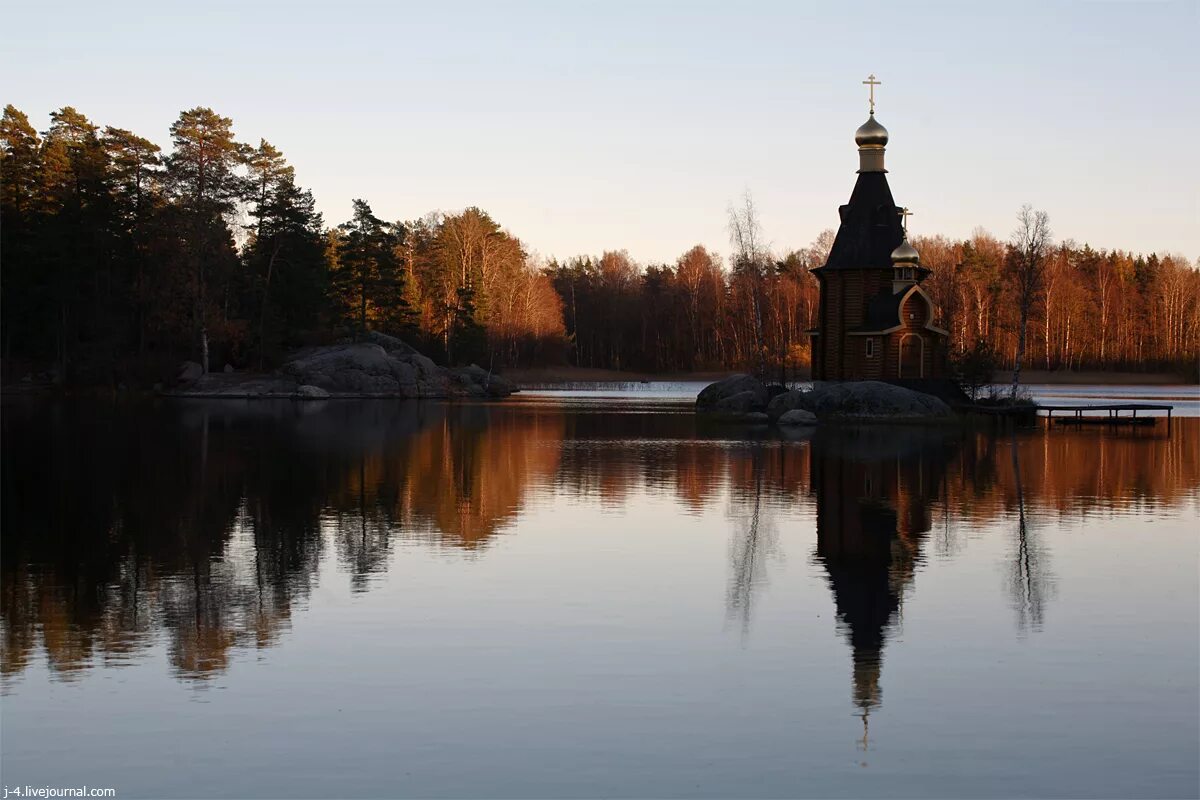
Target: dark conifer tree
(368, 277)
(285, 255)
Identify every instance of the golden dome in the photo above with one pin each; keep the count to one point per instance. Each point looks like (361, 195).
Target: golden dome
(871, 134)
(906, 254)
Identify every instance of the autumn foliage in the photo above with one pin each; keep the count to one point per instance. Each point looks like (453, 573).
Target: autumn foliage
(119, 260)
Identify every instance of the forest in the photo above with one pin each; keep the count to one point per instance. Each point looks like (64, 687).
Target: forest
(118, 260)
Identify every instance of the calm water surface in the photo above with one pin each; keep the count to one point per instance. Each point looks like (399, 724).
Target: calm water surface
(567, 595)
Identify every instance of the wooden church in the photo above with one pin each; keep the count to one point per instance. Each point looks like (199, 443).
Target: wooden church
(875, 322)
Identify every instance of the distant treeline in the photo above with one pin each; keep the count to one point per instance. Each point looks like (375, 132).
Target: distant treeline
(118, 260)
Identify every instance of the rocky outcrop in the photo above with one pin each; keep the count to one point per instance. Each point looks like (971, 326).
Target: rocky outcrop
(382, 367)
(738, 399)
(741, 395)
(859, 400)
(362, 369)
(869, 400)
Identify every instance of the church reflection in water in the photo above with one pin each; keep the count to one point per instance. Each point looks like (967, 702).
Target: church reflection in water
(205, 525)
(875, 490)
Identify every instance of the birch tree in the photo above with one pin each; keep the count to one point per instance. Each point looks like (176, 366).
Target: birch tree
(1028, 251)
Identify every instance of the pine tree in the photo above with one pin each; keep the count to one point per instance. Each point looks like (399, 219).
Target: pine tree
(285, 255)
(368, 277)
(135, 181)
(204, 180)
(20, 202)
(73, 235)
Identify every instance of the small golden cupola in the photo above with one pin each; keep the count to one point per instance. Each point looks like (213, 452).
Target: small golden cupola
(906, 261)
(871, 137)
(871, 134)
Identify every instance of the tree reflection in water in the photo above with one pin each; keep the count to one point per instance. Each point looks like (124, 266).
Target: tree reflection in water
(755, 539)
(205, 524)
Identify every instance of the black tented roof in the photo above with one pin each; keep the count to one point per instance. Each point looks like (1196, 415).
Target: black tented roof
(870, 228)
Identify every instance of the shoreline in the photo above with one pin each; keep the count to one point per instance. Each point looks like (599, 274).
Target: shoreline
(542, 376)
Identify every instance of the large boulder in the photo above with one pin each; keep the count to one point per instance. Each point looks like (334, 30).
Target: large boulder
(710, 396)
(872, 400)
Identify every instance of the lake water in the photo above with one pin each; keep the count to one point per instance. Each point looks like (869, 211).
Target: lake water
(582, 594)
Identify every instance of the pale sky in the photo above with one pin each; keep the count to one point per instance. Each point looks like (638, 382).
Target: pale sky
(583, 127)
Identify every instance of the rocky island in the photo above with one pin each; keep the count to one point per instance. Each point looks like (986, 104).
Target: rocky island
(743, 398)
(380, 367)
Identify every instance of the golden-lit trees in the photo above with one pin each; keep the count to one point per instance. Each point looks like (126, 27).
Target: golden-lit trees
(119, 260)
(701, 282)
(477, 294)
(525, 315)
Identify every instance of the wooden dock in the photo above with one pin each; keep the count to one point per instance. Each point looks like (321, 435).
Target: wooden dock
(1107, 414)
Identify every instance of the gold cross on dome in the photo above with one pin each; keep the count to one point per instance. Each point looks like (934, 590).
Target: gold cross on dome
(872, 83)
(904, 215)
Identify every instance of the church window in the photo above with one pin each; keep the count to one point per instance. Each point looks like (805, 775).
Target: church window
(870, 348)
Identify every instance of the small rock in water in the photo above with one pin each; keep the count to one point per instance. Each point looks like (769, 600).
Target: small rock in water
(786, 401)
(310, 392)
(798, 416)
(228, 368)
